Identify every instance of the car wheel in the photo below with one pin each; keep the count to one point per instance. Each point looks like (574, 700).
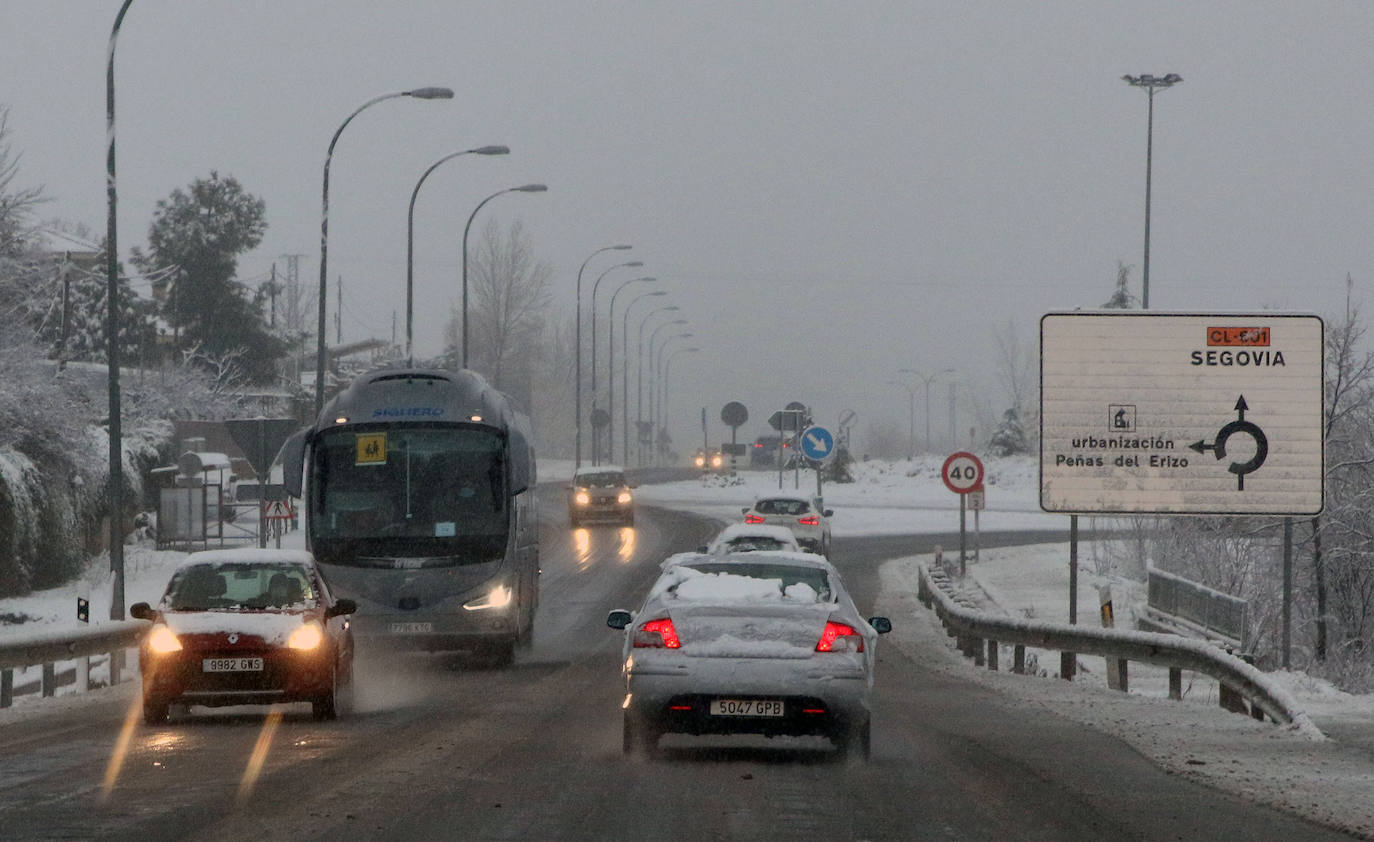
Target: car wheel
(155, 711)
(326, 705)
(639, 738)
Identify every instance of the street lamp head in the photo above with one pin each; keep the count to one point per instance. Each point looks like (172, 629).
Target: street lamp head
(622, 247)
(657, 292)
(491, 150)
(669, 308)
(651, 279)
(1150, 81)
(529, 188)
(677, 321)
(633, 263)
(431, 93)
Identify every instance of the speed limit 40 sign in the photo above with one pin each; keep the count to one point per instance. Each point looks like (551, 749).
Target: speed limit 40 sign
(962, 472)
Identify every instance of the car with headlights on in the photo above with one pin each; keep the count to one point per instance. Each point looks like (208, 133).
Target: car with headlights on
(750, 537)
(246, 627)
(807, 517)
(600, 495)
(711, 461)
(748, 643)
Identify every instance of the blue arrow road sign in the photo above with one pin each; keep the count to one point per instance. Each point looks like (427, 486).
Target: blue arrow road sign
(817, 444)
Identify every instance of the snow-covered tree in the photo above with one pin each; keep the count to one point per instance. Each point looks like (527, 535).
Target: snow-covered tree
(1121, 299)
(1009, 439)
(202, 230)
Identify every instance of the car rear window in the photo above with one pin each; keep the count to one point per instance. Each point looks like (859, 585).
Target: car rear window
(755, 542)
(782, 507)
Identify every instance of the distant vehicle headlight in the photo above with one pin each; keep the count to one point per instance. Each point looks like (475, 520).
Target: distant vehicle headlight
(701, 461)
(625, 498)
(497, 597)
(583, 498)
(163, 641)
(716, 461)
(307, 636)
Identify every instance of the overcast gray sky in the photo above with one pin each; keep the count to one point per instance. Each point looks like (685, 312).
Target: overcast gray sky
(830, 191)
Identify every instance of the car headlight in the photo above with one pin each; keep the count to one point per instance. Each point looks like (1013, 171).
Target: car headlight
(701, 461)
(582, 498)
(716, 461)
(497, 597)
(163, 641)
(307, 636)
(624, 498)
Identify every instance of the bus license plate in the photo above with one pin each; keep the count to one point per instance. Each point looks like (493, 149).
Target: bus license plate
(231, 665)
(746, 707)
(412, 628)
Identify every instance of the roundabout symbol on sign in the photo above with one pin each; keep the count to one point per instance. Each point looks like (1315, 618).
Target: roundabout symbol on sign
(1240, 425)
(962, 472)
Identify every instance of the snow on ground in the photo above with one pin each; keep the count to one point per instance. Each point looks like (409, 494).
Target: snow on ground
(1328, 781)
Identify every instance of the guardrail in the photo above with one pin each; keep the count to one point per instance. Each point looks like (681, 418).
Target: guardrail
(973, 629)
(47, 648)
(1195, 606)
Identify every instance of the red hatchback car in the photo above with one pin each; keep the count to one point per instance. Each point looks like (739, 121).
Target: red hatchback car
(246, 627)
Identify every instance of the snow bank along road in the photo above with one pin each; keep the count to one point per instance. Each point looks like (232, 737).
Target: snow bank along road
(439, 749)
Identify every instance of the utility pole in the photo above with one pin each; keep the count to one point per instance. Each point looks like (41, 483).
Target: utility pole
(338, 314)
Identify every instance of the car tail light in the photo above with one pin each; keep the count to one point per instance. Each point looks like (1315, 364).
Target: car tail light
(657, 634)
(756, 444)
(810, 520)
(753, 518)
(838, 637)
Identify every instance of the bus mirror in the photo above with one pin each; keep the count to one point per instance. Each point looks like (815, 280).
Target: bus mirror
(292, 458)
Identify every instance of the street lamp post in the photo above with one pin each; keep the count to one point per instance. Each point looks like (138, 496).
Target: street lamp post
(610, 363)
(115, 489)
(927, 380)
(910, 418)
(1150, 84)
(656, 371)
(524, 188)
(416, 93)
(639, 372)
(410, 238)
(577, 351)
(667, 369)
(625, 373)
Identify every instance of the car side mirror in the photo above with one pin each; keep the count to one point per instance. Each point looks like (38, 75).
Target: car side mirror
(744, 511)
(341, 606)
(702, 549)
(829, 513)
(881, 625)
(619, 619)
(142, 611)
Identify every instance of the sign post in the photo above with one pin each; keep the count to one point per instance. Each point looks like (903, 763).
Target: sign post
(260, 439)
(818, 445)
(962, 473)
(734, 414)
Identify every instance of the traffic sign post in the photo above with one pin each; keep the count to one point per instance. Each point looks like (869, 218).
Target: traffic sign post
(963, 474)
(260, 439)
(818, 445)
(734, 414)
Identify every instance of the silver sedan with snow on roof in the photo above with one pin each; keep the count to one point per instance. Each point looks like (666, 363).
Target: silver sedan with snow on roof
(748, 643)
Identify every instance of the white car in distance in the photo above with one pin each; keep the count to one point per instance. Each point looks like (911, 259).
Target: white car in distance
(755, 643)
(807, 517)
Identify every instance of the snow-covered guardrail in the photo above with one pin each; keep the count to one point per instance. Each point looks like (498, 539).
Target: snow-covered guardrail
(48, 647)
(972, 627)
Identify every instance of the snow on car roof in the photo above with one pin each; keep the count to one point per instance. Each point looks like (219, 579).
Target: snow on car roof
(248, 555)
(600, 469)
(691, 585)
(763, 530)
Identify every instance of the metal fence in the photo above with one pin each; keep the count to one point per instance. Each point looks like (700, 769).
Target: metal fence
(1212, 612)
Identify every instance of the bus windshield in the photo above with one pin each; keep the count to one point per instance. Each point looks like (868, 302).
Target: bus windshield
(409, 492)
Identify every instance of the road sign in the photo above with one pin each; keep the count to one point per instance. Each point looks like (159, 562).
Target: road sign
(600, 417)
(1181, 413)
(734, 414)
(787, 420)
(847, 417)
(278, 510)
(962, 472)
(817, 444)
(260, 439)
(977, 500)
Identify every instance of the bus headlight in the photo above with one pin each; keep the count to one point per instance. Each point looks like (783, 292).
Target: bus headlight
(497, 597)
